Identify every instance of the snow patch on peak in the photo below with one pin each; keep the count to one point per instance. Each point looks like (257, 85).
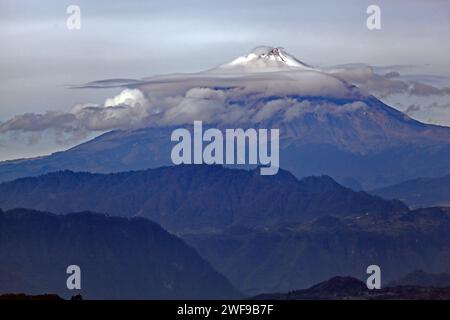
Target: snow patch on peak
(264, 59)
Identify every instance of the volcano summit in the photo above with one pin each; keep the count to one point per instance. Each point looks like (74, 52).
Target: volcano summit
(264, 59)
(327, 124)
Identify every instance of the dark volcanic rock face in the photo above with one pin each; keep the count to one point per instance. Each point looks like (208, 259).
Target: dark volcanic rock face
(119, 258)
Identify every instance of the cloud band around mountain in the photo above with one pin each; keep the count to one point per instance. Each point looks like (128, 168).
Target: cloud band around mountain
(226, 98)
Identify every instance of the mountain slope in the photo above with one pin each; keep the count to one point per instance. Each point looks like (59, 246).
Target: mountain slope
(348, 288)
(421, 192)
(419, 278)
(327, 126)
(119, 258)
(287, 258)
(194, 197)
(264, 233)
(312, 154)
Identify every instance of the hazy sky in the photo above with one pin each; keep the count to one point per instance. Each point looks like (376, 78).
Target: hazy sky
(39, 56)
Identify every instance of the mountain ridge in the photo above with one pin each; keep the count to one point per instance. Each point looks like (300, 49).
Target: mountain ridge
(119, 258)
(420, 278)
(295, 256)
(420, 192)
(194, 197)
(349, 288)
(327, 126)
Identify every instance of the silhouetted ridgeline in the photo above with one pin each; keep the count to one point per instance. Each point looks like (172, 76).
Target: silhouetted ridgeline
(296, 256)
(187, 198)
(348, 288)
(421, 192)
(264, 233)
(119, 258)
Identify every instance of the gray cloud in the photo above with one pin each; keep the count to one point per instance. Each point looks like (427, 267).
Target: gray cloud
(225, 95)
(390, 83)
(38, 122)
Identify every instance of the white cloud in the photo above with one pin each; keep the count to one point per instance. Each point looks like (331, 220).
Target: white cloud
(231, 97)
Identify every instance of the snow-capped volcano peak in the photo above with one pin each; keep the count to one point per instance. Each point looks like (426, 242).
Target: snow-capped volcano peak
(264, 59)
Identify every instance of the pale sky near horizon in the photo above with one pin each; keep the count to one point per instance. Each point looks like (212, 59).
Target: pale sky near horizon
(40, 57)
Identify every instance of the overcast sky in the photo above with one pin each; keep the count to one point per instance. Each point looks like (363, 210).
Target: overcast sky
(39, 56)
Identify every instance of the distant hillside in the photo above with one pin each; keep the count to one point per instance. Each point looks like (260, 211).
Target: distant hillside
(422, 192)
(348, 288)
(420, 278)
(119, 258)
(195, 197)
(297, 256)
(264, 233)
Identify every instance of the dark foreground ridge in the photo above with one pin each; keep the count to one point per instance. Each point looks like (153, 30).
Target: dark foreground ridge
(348, 288)
(119, 258)
(263, 233)
(336, 288)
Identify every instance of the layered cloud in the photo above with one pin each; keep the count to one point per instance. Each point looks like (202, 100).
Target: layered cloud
(227, 95)
(167, 101)
(391, 81)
